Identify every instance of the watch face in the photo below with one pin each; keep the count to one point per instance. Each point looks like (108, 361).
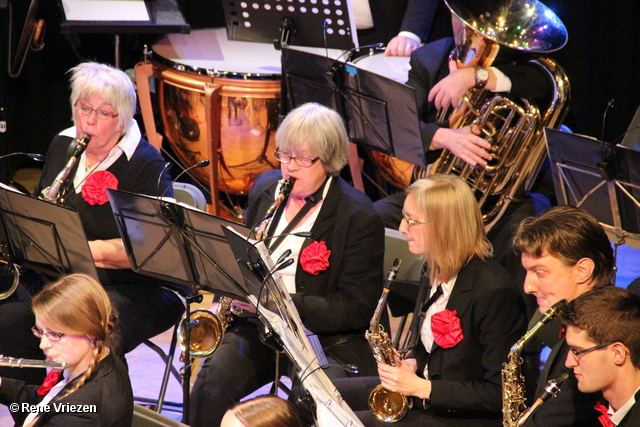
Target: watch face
(483, 74)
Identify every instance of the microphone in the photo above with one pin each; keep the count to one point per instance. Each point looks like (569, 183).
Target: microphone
(268, 337)
(342, 341)
(201, 164)
(604, 117)
(253, 265)
(347, 367)
(33, 156)
(338, 65)
(166, 166)
(284, 255)
(283, 262)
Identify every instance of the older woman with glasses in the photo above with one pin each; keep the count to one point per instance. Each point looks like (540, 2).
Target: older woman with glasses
(335, 280)
(76, 325)
(103, 101)
(468, 315)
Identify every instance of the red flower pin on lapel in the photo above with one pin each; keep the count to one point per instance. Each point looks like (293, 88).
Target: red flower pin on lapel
(94, 190)
(446, 328)
(315, 258)
(605, 418)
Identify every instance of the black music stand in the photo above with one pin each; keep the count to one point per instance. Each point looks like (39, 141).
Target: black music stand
(46, 237)
(600, 178)
(380, 113)
(179, 245)
(323, 24)
(164, 16)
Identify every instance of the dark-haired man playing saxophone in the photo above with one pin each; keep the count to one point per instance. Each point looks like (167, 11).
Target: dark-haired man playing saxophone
(566, 253)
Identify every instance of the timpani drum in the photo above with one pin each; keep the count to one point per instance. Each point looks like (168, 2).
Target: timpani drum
(190, 70)
(395, 171)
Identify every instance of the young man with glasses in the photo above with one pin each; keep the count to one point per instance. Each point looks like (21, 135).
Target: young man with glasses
(603, 336)
(565, 253)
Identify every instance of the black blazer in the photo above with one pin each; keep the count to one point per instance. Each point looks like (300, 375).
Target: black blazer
(108, 389)
(570, 407)
(339, 301)
(466, 379)
(632, 419)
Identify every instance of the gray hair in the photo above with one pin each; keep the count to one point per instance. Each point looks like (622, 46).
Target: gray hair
(318, 130)
(112, 85)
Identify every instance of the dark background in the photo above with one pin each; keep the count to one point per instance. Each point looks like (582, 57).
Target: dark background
(601, 58)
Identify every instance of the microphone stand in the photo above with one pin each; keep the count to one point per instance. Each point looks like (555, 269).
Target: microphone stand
(33, 156)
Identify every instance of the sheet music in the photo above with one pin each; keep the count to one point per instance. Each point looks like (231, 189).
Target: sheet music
(105, 10)
(331, 409)
(6, 187)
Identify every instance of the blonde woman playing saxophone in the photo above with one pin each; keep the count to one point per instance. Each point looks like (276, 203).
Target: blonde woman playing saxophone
(462, 335)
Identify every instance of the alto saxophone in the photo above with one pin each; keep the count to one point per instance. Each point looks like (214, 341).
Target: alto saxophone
(514, 410)
(52, 192)
(286, 185)
(387, 406)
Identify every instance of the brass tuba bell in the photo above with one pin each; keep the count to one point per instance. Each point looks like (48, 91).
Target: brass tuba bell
(205, 336)
(525, 25)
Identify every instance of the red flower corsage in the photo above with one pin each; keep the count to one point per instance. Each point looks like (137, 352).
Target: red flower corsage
(446, 328)
(94, 190)
(315, 258)
(605, 418)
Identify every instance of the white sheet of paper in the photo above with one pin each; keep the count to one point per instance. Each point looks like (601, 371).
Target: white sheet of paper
(105, 10)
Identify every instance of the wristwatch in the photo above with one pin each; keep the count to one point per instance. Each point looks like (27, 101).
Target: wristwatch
(482, 77)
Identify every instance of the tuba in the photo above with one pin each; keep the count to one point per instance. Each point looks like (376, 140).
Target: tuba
(499, 30)
(514, 410)
(387, 406)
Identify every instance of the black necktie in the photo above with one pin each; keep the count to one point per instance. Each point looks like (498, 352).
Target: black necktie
(431, 300)
(416, 325)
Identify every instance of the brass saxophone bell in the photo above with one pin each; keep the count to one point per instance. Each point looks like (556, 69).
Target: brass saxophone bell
(205, 336)
(388, 406)
(9, 279)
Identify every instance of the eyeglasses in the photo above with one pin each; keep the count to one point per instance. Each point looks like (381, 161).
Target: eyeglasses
(303, 162)
(85, 111)
(51, 336)
(577, 353)
(411, 222)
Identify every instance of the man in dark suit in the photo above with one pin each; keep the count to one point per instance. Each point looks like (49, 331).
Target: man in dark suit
(565, 253)
(335, 280)
(603, 336)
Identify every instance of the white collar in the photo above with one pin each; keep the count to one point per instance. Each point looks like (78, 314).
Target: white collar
(617, 416)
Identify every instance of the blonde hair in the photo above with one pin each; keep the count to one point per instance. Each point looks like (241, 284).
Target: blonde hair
(78, 305)
(454, 229)
(318, 129)
(267, 411)
(112, 85)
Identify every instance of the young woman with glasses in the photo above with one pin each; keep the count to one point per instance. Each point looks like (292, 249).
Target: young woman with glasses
(76, 325)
